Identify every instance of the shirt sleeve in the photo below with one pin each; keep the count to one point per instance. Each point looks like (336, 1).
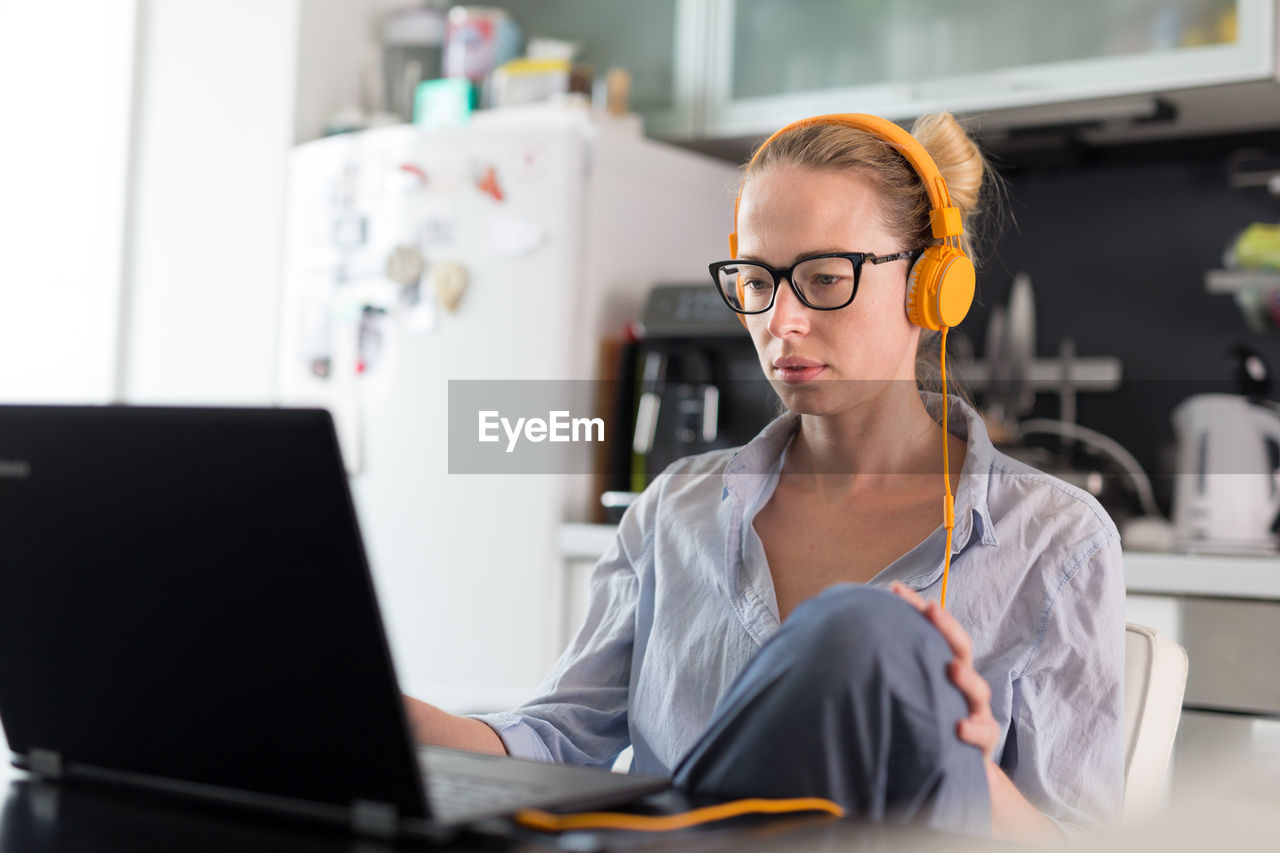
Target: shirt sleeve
(1066, 749)
(580, 713)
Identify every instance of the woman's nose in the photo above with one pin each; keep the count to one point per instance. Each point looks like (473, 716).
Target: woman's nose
(788, 314)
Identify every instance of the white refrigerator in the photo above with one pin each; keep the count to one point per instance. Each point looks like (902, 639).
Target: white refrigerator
(506, 249)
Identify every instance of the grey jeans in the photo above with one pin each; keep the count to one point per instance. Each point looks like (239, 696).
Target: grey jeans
(850, 701)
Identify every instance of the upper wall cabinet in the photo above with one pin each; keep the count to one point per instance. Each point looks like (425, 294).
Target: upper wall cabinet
(656, 40)
(707, 70)
(772, 61)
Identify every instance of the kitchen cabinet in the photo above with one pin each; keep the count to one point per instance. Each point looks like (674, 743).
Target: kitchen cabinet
(1226, 612)
(720, 70)
(657, 41)
(900, 58)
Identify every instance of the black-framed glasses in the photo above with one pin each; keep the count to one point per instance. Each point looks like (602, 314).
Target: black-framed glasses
(822, 282)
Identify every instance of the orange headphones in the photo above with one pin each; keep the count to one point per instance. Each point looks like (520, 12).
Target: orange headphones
(941, 283)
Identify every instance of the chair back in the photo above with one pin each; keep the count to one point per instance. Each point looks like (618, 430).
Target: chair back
(1154, 680)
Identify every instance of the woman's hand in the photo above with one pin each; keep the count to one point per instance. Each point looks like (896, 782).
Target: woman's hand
(1013, 817)
(980, 728)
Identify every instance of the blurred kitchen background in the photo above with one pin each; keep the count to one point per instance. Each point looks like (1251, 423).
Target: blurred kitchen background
(329, 202)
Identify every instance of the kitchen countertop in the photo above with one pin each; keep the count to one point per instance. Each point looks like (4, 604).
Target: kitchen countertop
(1151, 573)
(1146, 573)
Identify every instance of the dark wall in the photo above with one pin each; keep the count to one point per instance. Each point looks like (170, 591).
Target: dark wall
(1117, 243)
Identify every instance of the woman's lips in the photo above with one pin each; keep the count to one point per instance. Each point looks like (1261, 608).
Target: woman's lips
(797, 371)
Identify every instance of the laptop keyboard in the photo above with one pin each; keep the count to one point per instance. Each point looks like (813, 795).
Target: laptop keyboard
(451, 793)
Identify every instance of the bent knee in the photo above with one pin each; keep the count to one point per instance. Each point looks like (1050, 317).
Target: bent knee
(850, 623)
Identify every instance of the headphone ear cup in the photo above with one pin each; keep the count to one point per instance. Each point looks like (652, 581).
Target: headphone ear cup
(940, 288)
(915, 311)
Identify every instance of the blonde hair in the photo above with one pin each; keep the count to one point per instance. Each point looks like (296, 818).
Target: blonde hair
(905, 204)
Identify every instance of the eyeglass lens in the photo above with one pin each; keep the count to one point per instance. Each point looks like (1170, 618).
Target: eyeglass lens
(822, 283)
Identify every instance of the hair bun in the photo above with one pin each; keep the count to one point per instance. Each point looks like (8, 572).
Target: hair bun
(956, 155)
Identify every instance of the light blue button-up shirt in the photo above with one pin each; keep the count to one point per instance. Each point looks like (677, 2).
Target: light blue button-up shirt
(684, 597)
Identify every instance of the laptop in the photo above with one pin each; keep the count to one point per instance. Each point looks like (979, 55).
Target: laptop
(186, 606)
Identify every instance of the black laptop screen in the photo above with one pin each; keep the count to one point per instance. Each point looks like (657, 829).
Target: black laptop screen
(184, 594)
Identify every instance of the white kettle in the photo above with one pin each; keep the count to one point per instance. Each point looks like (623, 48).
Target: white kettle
(1226, 494)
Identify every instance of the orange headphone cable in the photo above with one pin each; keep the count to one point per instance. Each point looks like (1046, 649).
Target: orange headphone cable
(948, 502)
(548, 822)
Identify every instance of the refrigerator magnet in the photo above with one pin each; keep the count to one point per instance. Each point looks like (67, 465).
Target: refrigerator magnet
(487, 183)
(405, 265)
(448, 280)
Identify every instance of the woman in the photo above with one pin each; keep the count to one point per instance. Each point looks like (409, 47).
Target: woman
(740, 635)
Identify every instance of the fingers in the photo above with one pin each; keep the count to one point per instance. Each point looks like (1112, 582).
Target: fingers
(908, 594)
(980, 728)
(954, 633)
(982, 732)
(974, 687)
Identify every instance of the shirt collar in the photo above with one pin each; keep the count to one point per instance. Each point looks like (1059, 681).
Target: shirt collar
(758, 457)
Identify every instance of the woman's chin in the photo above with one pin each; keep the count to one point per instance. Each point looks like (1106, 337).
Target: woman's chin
(811, 398)
(826, 397)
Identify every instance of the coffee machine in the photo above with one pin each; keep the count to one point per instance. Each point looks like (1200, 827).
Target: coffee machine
(690, 382)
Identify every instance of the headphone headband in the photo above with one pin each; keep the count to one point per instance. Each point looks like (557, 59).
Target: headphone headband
(944, 219)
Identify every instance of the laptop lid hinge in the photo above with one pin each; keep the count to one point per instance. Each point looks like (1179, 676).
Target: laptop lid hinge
(373, 818)
(45, 762)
